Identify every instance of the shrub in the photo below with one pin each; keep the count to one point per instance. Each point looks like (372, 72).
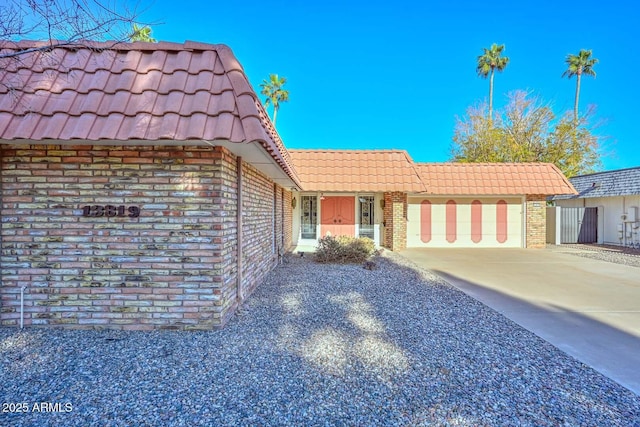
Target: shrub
(344, 249)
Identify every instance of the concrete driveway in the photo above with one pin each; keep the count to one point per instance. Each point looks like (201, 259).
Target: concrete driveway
(590, 309)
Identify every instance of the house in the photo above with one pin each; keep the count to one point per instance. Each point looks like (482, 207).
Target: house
(614, 199)
(353, 192)
(143, 186)
(385, 195)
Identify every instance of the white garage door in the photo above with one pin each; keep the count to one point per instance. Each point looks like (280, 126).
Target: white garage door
(462, 222)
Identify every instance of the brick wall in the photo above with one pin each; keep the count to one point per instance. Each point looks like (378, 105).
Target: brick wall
(172, 267)
(258, 252)
(225, 199)
(536, 221)
(395, 219)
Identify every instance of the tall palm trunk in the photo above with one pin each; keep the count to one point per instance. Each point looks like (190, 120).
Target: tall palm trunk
(275, 113)
(575, 105)
(490, 95)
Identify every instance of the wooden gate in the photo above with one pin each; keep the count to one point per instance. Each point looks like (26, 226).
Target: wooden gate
(579, 225)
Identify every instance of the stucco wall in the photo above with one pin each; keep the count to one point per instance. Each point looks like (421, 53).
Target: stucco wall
(173, 266)
(612, 209)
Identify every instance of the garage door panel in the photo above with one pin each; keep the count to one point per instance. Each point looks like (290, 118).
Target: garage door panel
(475, 222)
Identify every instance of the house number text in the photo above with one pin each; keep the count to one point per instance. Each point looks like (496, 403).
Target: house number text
(110, 210)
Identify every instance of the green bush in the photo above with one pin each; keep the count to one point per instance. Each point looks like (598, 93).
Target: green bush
(344, 249)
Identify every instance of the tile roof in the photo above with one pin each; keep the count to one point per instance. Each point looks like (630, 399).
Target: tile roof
(622, 182)
(356, 170)
(493, 179)
(132, 91)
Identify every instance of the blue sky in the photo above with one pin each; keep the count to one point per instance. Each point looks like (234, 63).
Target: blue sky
(396, 74)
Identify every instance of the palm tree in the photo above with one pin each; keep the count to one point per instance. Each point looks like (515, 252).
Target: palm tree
(487, 64)
(141, 34)
(579, 64)
(274, 92)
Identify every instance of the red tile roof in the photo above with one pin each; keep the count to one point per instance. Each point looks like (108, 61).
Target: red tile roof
(132, 91)
(356, 170)
(493, 179)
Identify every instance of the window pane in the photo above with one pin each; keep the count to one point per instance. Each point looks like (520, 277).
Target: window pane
(366, 216)
(309, 217)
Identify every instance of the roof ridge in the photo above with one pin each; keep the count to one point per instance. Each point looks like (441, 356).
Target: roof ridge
(566, 180)
(382, 150)
(607, 172)
(242, 87)
(113, 45)
(414, 168)
(482, 163)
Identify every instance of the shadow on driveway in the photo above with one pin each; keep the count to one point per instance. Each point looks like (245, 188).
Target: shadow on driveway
(607, 349)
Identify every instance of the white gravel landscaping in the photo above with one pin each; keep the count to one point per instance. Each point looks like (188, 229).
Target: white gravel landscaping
(325, 345)
(616, 254)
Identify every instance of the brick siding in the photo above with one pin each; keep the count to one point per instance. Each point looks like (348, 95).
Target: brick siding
(173, 267)
(536, 208)
(258, 252)
(395, 220)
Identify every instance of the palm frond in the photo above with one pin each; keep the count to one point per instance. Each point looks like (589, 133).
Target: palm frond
(491, 59)
(582, 63)
(273, 92)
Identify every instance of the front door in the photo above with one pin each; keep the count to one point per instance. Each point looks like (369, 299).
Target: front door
(338, 216)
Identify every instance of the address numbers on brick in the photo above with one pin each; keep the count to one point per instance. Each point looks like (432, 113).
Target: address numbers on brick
(111, 211)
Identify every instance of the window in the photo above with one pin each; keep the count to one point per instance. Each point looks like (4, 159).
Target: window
(366, 216)
(309, 217)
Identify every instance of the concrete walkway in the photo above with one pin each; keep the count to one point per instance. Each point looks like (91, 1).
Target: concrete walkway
(589, 309)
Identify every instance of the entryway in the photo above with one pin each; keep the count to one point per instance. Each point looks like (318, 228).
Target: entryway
(337, 216)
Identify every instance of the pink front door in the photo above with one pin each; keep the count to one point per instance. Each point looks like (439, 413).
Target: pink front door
(338, 216)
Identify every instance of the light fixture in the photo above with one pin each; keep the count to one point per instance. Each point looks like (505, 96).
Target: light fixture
(294, 202)
(321, 196)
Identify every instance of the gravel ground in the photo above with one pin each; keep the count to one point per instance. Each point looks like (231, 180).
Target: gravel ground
(315, 345)
(615, 254)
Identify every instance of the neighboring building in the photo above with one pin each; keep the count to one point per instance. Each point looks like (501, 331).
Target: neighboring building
(386, 196)
(615, 196)
(143, 186)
